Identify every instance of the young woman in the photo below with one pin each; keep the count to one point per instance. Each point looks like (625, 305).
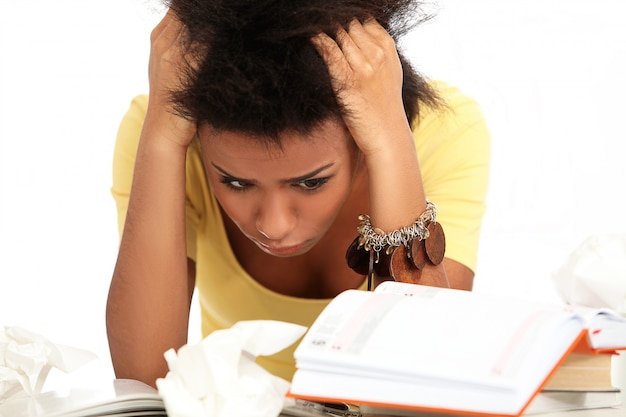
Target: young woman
(269, 128)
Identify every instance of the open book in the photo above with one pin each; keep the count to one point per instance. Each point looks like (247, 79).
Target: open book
(408, 348)
(121, 397)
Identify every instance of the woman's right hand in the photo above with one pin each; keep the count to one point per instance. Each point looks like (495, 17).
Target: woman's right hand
(166, 68)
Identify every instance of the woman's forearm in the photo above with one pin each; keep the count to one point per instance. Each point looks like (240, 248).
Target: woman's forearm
(396, 192)
(148, 305)
(397, 199)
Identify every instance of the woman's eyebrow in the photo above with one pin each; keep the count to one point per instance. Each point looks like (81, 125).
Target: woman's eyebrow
(295, 179)
(226, 174)
(310, 174)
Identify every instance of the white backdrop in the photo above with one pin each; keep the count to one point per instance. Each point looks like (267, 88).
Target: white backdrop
(550, 75)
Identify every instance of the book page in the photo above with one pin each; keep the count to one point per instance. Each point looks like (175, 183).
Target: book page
(607, 328)
(428, 332)
(121, 396)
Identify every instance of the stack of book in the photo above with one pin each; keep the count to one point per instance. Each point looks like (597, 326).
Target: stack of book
(585, 372)
(582, 381)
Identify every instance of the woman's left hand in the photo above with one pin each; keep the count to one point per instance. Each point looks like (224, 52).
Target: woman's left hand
(366, 75)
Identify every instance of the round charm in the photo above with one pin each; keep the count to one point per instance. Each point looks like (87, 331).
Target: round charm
(418, 254)
(358, 259)
(401, 267)
(435, 244)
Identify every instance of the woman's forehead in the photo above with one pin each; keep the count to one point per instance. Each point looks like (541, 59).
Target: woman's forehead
(241, 154)
(328, 136)
(332, 127)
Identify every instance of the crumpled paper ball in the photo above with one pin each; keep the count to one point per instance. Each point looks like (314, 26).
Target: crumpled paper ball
(26, 358)
(218, 377)
(594, 274)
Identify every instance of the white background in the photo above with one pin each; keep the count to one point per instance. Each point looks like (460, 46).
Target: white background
(550, 74)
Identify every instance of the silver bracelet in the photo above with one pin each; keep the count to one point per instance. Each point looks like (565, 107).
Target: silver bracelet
(376, 239)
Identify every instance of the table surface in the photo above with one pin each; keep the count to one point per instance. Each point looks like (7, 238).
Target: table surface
(598, 412)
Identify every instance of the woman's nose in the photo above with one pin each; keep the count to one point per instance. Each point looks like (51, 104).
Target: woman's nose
(276, 217)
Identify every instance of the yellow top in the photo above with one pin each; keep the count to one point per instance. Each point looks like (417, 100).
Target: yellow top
(453, 146)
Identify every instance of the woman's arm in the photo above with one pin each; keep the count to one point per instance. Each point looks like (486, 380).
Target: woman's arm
(367, 75)
(149, 299)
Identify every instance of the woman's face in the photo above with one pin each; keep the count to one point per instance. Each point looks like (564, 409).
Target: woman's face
(285, 198)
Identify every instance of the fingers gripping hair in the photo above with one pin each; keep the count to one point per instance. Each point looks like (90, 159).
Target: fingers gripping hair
(254, 67)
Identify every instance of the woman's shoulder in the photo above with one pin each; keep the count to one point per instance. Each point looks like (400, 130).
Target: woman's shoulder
(456, 102)
(132, 122)
(137, 109)
(139, 103)
(453, 135)
(458, 114)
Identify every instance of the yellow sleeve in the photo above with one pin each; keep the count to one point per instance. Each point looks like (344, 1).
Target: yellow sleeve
(124, 156)
(453, 146)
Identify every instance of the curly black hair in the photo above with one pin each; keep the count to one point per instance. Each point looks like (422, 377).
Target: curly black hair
(256, 71)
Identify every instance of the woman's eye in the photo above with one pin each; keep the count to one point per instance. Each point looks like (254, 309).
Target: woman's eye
(235, 184)
(313, 183)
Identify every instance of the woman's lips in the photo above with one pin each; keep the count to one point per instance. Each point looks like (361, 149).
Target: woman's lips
(279, 250)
